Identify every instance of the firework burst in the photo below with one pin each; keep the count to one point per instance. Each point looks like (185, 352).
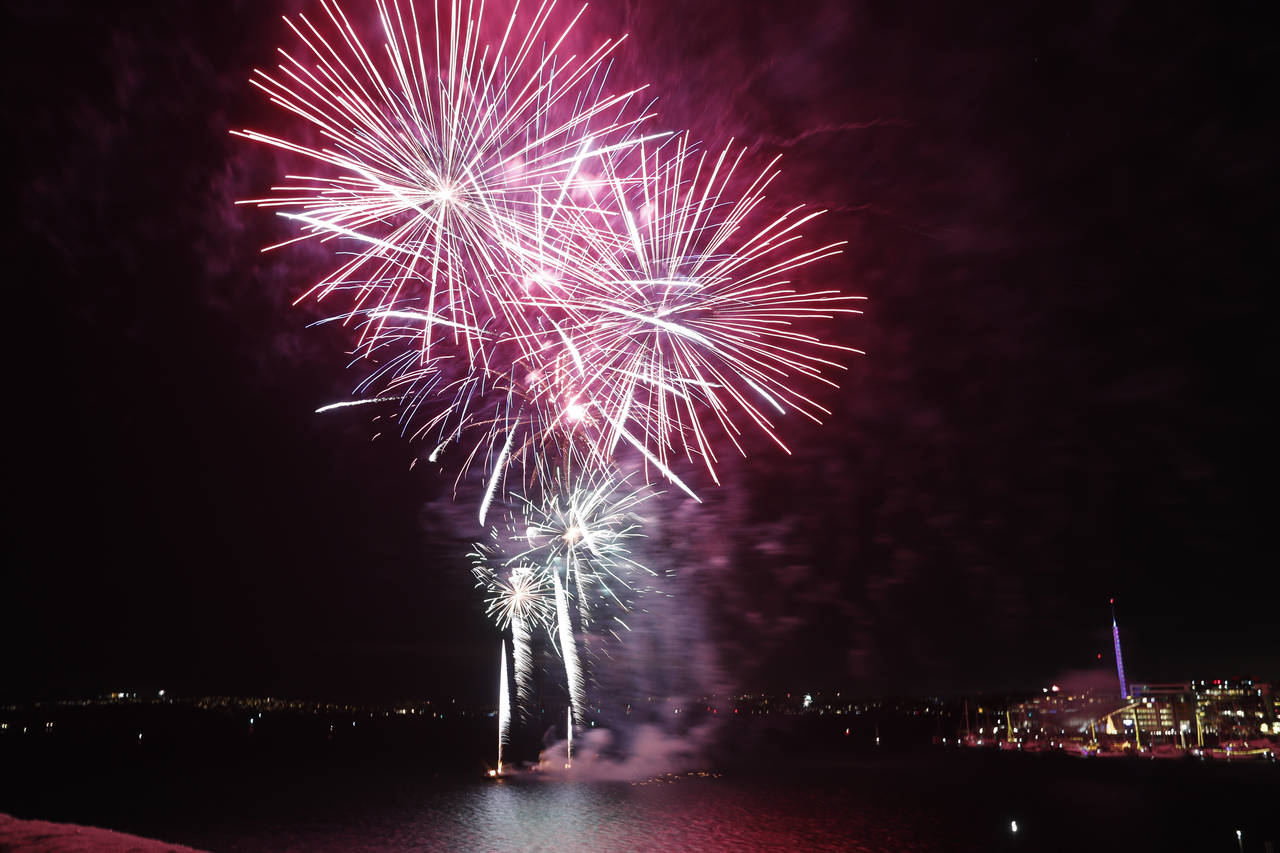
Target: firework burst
(544, 289)
(584, 525)
(522, 593)
(680, 305)
(442, 152)
(519, 598)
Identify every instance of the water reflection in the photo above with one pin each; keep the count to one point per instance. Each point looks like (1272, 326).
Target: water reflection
(684, 813)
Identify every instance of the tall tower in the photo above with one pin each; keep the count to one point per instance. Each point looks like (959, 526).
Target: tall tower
(1115, 637)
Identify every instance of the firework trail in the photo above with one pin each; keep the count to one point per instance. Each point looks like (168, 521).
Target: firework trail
(498, 467)
(519, 599)
(581, 525)
(504, 704)
(568, 744)
(345, 404)
(522, 657)
(569, 651)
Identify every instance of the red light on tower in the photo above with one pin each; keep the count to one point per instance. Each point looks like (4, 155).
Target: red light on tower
(1099, 655)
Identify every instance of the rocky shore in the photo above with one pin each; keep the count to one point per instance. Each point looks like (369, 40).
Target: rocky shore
(38, 836)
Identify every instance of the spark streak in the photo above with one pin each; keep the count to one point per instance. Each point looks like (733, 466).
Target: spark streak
(569, 651)
(504, 705)
(346, 403)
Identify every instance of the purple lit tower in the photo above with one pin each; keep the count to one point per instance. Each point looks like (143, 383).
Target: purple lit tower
(1115, 637)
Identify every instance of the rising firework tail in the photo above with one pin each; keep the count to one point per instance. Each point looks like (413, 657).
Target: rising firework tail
(504, 704)
(562, 560)
(569, 651)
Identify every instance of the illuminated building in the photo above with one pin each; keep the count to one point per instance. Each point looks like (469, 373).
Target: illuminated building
(1233, 708)
(1164, 711)
(1057, 714)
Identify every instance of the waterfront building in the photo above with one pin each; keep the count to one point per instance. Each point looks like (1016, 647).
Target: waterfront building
(1056, 714)
(1234, 708)
(1164, 712)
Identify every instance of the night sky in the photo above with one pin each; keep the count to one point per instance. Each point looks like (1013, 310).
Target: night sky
(1062, 219)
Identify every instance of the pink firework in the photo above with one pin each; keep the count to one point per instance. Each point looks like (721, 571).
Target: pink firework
(676, 307)
(441, 153)
(531, 274)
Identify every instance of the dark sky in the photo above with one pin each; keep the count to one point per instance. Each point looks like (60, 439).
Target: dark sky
(1063, 219)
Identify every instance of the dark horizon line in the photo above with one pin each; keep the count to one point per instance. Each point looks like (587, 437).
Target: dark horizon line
(142, 695)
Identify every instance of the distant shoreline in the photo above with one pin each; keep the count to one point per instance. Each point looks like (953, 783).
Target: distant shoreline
(39, 836)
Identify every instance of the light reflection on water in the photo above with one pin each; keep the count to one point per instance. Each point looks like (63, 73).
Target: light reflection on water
(695, 813)
(906, 804)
